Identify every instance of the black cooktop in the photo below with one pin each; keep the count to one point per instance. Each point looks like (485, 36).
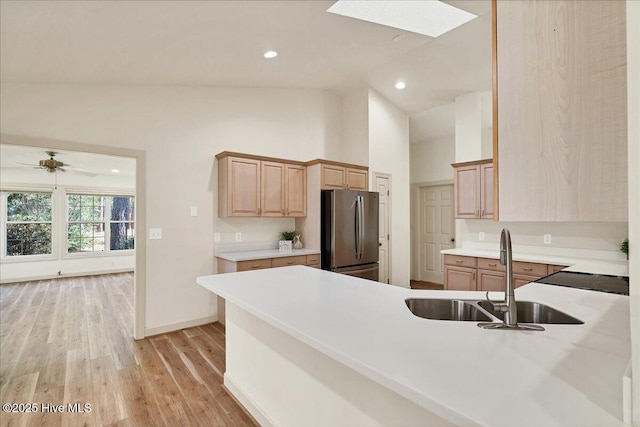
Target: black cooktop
(593, 282)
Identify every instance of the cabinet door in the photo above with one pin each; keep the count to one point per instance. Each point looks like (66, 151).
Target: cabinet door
(486, 190)
(296, 191)
(459, 278)
(491, 280)
(333, 177)
(357, 179)
(243, 187)
(562, 120)
(467, 184)
(272, 189)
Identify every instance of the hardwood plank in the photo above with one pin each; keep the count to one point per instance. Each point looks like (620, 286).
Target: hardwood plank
(20, 390)
(46, 416)
(108, 400)
(202, 404)
(78, 387)
(141, 405)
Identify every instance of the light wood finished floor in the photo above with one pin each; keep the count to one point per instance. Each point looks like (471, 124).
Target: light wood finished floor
(416, 284)
(70, 340)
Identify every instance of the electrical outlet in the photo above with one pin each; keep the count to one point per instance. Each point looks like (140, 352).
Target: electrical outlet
(481, 235)
(216, 237)
(194, 211)
(547, 239)
(155, 233)
(238, 236)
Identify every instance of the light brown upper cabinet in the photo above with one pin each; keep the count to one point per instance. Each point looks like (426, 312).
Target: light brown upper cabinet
(238, 187)
(560, 96)
(474, 189)
(341, 176)
(295, 190)
(260, 186)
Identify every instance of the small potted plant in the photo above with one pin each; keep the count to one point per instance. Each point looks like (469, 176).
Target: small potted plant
(624, 247)
(286, 241)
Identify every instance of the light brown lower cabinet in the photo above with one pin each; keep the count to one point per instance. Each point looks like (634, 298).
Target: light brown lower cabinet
(226, 266)
(463, 273)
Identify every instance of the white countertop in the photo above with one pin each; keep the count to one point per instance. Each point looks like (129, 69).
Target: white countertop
(585, 265)
(566, 375)
(263, 254)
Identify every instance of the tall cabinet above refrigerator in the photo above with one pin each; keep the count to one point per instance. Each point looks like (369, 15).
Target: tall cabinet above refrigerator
(349, 232)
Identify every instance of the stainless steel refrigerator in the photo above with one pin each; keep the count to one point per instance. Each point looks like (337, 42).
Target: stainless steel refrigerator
(349, 232)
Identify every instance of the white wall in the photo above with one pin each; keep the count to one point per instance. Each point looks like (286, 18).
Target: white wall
(354, 145)
(633, 99)
(181, 129)
(431, 160)
(468, 127)
(389, 153)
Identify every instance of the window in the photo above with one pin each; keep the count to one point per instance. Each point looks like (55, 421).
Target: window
(97, 223)
(28, 224)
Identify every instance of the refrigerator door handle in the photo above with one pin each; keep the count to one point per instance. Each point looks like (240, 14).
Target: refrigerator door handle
(358, 225)
(362, 226)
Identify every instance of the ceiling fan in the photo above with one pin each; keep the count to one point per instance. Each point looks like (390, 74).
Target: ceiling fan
(52, 165)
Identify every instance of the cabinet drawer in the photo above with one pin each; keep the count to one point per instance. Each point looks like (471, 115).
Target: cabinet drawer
(313, 259)
(256, 264)
(555, 268)
(490, 264)
(460, 261)
(530, 269)
(489, 280)
(289, 260)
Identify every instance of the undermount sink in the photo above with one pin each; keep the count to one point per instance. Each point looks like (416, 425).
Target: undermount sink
(483, 311)
(534, 312)
(446, 309)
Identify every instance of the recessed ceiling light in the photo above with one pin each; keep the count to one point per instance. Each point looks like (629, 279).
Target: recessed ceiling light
(400, 85)
(429, 17)
(270, 54)
(115, 170)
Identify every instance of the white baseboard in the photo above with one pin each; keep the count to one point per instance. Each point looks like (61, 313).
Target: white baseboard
(62, 276)
(238, 393)
(180, 325)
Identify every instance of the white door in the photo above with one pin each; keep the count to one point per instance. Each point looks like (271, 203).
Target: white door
(436, 230)
(382, 185)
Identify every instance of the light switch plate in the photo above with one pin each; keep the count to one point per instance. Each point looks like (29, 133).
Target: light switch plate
(216, 237)
(155, 233)
(194, 211)
(547, 239)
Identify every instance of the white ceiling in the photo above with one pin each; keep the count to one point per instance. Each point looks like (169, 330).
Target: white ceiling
(220, 43)
(14, 157)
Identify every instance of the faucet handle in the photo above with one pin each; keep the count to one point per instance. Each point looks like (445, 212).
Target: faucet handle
(499, 306)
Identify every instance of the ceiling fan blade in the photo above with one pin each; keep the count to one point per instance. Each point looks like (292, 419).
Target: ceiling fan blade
(81, 172)
(28, 164)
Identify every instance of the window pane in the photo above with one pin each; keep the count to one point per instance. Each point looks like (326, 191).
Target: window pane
(28, 207)
(122, 208)
(28, 239)
(122, 236)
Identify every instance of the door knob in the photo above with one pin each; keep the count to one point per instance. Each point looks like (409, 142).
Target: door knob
(379, 244)
(453, 240)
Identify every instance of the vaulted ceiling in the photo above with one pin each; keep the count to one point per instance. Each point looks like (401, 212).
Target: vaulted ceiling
(220, 43)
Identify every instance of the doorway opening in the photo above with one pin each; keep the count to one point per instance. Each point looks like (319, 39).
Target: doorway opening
(91, 222)
(382, 184)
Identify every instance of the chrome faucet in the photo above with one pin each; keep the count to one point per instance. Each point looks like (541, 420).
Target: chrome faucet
(509, 307)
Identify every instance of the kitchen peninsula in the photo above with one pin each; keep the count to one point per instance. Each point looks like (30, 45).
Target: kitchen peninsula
(305, 344)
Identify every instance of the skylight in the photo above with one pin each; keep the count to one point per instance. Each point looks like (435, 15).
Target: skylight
(429, 17)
